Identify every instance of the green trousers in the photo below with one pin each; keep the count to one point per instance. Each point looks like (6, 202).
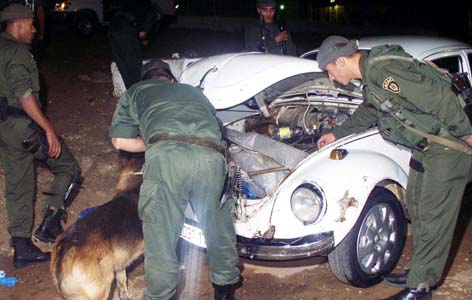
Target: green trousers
(19, 168)
(175, 175)
(434, 195)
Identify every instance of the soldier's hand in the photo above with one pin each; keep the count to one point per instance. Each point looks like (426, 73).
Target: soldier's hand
(325, 139)
(54, 145)
(281, 36)
(469, 141)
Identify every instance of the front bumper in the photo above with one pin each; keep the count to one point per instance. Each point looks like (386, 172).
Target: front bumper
(268, 249)
(277, 249)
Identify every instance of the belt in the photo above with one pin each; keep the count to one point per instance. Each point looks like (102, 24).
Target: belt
(10, 111)
(160, 137)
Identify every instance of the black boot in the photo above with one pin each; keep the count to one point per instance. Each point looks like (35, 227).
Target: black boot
(51, 226)
(398, 280)
(224, 292)
(411, 294)
(27, 253)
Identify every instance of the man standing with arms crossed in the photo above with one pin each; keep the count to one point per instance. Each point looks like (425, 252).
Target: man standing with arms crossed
(412, 104)
(176, 126)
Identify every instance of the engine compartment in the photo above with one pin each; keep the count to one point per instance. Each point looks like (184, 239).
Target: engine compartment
(265, 147)
(299, 126)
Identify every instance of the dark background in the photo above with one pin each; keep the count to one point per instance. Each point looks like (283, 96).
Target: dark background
(452, 18)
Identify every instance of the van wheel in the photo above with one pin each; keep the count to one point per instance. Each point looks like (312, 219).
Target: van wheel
(374, 245)
(85, 24)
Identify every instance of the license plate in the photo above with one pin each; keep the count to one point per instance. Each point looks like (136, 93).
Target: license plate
(193, 235)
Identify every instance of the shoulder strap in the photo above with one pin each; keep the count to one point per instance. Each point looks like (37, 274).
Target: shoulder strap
(374, 60)
(438, 139)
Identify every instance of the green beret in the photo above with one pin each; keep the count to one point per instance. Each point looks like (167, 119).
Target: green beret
(16, 11)
(333, 47)
(266, 3)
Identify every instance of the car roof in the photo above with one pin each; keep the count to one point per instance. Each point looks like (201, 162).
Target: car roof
(418, 46)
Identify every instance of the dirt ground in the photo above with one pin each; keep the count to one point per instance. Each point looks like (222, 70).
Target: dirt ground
(77, 81)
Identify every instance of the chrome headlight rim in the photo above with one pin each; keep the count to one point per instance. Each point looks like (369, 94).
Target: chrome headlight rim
(319, 196)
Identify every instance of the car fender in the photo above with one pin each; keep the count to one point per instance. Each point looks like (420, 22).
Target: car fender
(344, 205)
(346, 184)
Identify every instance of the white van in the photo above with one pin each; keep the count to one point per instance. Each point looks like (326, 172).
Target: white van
(84, 16)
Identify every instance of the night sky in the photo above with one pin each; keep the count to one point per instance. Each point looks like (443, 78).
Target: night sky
(452, 18)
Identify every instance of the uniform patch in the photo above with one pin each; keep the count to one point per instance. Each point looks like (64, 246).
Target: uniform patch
(389, 84)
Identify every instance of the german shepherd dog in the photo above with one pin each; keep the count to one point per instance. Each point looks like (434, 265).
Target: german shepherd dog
(98, 247)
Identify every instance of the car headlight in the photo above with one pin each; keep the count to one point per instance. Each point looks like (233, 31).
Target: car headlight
(307, 203)
(62, 6)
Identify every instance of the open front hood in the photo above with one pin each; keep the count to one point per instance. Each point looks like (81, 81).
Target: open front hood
(230, 79)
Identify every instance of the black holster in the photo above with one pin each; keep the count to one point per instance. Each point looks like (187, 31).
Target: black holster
(37, 143)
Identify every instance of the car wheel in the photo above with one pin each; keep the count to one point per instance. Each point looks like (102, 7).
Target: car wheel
(374, 245)
(85, 25)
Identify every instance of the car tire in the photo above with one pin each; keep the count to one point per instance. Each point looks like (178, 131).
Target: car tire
(374, 245)
(85, 24)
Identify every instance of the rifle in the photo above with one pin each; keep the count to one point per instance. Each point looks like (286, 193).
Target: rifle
(462, 86)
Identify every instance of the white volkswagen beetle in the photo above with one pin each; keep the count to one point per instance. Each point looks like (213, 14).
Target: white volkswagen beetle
(292, 200)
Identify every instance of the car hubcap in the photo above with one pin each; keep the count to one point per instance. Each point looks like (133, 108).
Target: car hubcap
(377, 236)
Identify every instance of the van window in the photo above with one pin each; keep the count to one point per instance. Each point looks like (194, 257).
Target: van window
(451, 63)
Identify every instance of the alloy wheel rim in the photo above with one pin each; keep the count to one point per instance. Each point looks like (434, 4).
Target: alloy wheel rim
(376, 239)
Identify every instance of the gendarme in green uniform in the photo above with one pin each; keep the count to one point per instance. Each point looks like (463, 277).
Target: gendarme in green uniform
(438, 174)
(19, 77)
(175, 174)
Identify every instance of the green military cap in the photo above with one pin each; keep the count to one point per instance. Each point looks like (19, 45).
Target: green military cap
(16, 11)
(333, 47)
(266, 3)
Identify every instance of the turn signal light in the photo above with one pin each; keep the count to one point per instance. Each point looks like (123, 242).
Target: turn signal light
(338, 154)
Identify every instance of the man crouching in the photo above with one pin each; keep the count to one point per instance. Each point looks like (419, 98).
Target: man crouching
(177, 127)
